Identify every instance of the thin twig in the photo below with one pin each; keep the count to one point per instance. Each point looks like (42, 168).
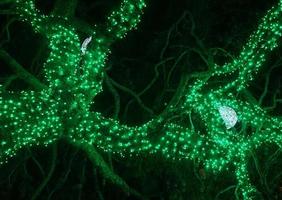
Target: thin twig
(225, 190)
(125, 89)
(98, 161)
(152, 82)
(115, 95)
(20, 71)
(9, 80)
(174, 66)
(49, 175)
(277, 64)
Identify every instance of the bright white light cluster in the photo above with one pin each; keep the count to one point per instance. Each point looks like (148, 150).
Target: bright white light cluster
(228, 115)
(85, 44)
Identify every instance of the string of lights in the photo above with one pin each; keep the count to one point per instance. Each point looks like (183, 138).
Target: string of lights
(74, 76)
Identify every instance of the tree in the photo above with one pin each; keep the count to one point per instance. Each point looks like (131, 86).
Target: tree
(224, 125)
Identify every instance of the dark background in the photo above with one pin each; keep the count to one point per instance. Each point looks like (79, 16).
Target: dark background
(164, 36)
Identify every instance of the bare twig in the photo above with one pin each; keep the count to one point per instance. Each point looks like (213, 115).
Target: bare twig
(174, 66)
(6, 29)
(8, 81)
(115, 95)
(20, 71)
(225, 190)
(49, 175)
(125, 89)
(98, 161)
(277, 64)
(152, 82)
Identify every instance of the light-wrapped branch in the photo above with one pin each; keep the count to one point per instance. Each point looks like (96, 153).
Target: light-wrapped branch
(125, 18)
(171, 140)
(26, 119)
(253, 54)
(120, 21)
(27, 11)
(64, 44)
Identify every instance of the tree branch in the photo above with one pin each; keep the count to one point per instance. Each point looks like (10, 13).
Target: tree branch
(115, 95)
(20, 71)
(48, 177)
(98, 161)
(121, 87)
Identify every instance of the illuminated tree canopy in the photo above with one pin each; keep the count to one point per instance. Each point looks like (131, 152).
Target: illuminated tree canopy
(59, 107)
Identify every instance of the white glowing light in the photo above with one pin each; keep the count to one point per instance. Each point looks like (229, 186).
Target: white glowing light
(85, 44)
(228, 115)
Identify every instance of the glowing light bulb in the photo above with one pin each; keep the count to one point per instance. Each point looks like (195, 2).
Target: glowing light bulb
(85, 44)
(228, 115)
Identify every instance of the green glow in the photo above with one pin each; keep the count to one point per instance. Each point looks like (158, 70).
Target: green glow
(31, 118)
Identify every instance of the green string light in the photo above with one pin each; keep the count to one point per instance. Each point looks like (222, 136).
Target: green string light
(74, 78)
